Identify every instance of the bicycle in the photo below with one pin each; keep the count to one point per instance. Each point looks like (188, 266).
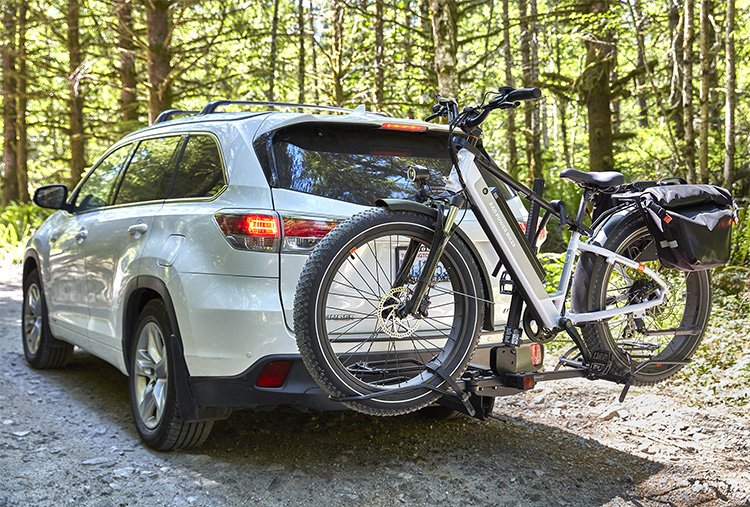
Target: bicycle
(410, 334)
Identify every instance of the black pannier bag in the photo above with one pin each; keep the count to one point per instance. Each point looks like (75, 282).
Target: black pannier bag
(691, 224)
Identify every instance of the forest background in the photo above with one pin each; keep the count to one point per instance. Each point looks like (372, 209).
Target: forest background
(651, 89)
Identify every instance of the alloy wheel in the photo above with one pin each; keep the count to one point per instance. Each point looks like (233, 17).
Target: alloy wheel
(32, 313)
(151, 375)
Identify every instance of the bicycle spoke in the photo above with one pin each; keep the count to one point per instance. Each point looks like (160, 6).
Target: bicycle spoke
(355, 288)
(377, 262)
(350, 325)
(360, 275)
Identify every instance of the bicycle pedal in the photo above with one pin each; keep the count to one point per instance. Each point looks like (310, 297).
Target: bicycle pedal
(506, 285)
(512, 336)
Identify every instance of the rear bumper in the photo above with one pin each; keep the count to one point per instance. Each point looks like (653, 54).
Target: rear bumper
(240, 391)
(299, 389)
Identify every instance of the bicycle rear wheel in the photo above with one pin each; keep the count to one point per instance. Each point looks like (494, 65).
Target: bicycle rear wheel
(667, 333)
(348, 332)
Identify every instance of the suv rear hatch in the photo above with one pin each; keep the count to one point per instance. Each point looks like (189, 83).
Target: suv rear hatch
(333, 171)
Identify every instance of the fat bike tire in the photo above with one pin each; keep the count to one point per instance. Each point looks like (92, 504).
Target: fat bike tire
(597, 284)
(365, 349)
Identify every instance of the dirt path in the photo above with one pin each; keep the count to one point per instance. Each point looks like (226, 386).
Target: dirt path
(66, 437)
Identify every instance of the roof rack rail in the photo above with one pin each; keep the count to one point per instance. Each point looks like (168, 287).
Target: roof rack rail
(212, 106)
(169, 113)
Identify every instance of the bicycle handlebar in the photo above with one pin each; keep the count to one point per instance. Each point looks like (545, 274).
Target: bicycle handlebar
(507, 100)
(523, 94)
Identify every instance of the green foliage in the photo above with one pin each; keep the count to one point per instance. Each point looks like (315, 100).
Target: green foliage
(17, 222)
(719, 373)
(741, 238)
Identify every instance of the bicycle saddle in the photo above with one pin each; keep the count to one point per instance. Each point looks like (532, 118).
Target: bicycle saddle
(601, 180)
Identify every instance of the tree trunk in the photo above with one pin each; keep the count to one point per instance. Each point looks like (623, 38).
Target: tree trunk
(337, 66)
(615, 101)
(10, 141)
(379, 63)
(75, 90)
(512, 167)
(128, 79)
(444, 14)
(687, 89)
(408, 55)
(530, 66)
(301, 52)
(314, 56)
(731, 99)
(715, 100)
(272, 58)
(22, 99)
(595, 87)
(563, 107)
(159, 28)
(488, 35)
(677, 61)
(640, 83)
(706, 66)
(425, 19)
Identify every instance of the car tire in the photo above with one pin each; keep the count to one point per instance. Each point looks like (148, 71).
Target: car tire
(41, 349)
(153, 398)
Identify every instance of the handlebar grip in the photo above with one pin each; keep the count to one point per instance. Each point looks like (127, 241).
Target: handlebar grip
(523, 94)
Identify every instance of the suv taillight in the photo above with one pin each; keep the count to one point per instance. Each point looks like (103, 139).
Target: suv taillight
(301, 234)
(267, 231)
(257, 232)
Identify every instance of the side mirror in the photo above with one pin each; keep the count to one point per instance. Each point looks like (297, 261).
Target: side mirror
(52, 197)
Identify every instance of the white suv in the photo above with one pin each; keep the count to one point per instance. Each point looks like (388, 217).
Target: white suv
(177, 256)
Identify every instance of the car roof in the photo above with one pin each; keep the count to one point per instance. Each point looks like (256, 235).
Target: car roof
(273, 120)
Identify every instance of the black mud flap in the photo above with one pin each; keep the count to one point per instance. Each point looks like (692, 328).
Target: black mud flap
(189, 411)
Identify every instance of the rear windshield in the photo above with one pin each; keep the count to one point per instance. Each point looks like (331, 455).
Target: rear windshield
(354, 164)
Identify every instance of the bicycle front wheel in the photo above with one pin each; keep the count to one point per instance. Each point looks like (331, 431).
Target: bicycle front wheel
(348, 331)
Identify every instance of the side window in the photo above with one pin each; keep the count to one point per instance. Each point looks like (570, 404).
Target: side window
(199, 173)
(97, 189)
(149, 169)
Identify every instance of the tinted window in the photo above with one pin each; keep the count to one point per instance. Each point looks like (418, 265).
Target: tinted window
(356, 165)
(148, 172)
(199, 173)
(97, 189)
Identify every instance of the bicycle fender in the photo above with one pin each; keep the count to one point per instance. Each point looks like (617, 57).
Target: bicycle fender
(582, 276)
(416, 207)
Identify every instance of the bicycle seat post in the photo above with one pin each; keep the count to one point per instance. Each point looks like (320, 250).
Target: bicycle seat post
(585, 198)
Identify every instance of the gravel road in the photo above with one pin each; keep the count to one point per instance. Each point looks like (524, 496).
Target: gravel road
(66, 437)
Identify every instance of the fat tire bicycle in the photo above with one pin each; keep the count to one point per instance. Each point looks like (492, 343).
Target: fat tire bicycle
(391, 304)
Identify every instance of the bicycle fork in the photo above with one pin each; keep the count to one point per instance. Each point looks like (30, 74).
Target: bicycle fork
(417, 304)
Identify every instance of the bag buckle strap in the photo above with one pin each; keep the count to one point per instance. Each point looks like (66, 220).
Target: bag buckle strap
(660, 212)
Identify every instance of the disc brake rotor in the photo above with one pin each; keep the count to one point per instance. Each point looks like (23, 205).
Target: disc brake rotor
(388, 320)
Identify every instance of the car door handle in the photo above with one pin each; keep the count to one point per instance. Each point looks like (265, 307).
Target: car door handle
(137, 229)
(81, 235)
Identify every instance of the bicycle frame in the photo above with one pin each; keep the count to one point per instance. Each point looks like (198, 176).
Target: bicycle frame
(499, 226)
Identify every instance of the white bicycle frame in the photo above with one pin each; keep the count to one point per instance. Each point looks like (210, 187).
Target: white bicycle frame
(549, 307)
